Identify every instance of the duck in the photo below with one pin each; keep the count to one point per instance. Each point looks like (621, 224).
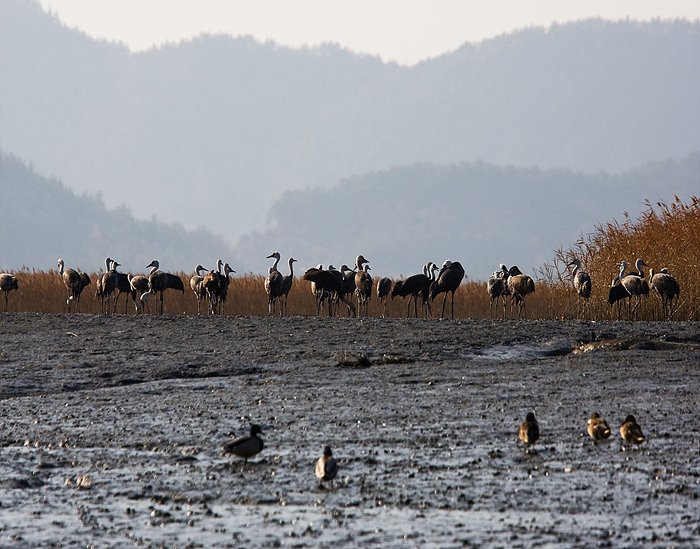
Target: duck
(597, 427)
(529, 430)
(246, 446)
(630, 431)
(326, 467)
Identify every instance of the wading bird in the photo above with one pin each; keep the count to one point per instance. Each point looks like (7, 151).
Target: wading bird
(617, 291)
(415, 286)
(273, 284)
(635, 284)
(668, 289)
(363, 285)
(287, 283)
(519, 285)
(75, 282)
(8, 283)
(329, 282)
(197, 286)
(159, 281)
(582, 283)
(448, 280)
(496, 287)
(383, 290)
(139, 285)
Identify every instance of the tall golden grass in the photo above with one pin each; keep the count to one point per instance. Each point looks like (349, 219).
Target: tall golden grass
(664, 236)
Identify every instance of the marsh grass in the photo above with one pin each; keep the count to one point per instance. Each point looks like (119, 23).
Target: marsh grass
(664, 236)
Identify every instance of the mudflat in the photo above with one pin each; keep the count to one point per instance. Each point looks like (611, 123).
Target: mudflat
(113, 427)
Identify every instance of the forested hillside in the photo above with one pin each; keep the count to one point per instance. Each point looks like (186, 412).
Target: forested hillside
(478, 213)
(41, 220)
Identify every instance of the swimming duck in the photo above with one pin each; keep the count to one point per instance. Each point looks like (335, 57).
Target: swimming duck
(326, 467)
(597, 427)
(246, 446)
(529, 430)
(630, 431)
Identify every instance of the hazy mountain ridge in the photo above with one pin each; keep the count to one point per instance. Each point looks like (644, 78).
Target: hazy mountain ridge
(478, 213)
(211, 131)
(41, 220)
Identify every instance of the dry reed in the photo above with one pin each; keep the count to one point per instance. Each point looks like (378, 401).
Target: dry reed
(664, 236)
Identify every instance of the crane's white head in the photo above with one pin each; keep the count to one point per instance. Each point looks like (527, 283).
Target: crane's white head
(360, 260)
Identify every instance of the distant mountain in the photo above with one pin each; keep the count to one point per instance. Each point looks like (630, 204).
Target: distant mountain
(212, 131)
(478, 213)
(41, 220)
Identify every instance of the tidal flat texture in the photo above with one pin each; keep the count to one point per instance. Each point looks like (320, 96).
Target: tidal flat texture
(112, 430)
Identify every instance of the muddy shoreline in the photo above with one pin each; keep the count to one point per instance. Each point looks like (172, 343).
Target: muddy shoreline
(112, 430)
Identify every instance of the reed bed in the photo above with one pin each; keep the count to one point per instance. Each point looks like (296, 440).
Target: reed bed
(664, 236)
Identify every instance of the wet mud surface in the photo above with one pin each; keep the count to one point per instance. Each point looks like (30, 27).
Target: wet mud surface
(112, 429)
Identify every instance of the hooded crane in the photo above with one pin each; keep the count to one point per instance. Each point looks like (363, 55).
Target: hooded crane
(349, 285)
(124, 287)
(383, 290)
(8, 283)
(417, 285)
(159, 281)
(273, 284)
(582, 282)
(107, 285)
(224, 283)
(519, 285)
(635, 284)
(448, 280)
(497, 286)
(363, 285)
(320, 295)
(197, 286)
(329, 282)
(211, 283)
(139, 285)
(617, 291)
(287, 283)
(75, 282)
(667, 287)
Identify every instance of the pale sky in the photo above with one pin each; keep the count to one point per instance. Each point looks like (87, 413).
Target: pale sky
(405, 31)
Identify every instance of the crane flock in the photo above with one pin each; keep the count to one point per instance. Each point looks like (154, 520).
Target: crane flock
(332, 287)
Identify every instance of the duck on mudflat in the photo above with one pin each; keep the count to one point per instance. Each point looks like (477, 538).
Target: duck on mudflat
(326, 467)
(246, 446)
(597, 427)
(529, 430)
(630, 431)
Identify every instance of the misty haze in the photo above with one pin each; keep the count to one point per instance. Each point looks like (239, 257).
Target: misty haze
(261, 147)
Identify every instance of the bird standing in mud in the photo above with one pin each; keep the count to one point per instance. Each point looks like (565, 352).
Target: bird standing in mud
(597, 427)
(529, 430)
(246, 446)
(631, 432)
(326, 467)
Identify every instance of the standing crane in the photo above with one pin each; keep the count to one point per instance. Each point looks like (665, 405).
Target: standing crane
(8, 283)
(448, 280)
(582, 282)
(75, 282)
